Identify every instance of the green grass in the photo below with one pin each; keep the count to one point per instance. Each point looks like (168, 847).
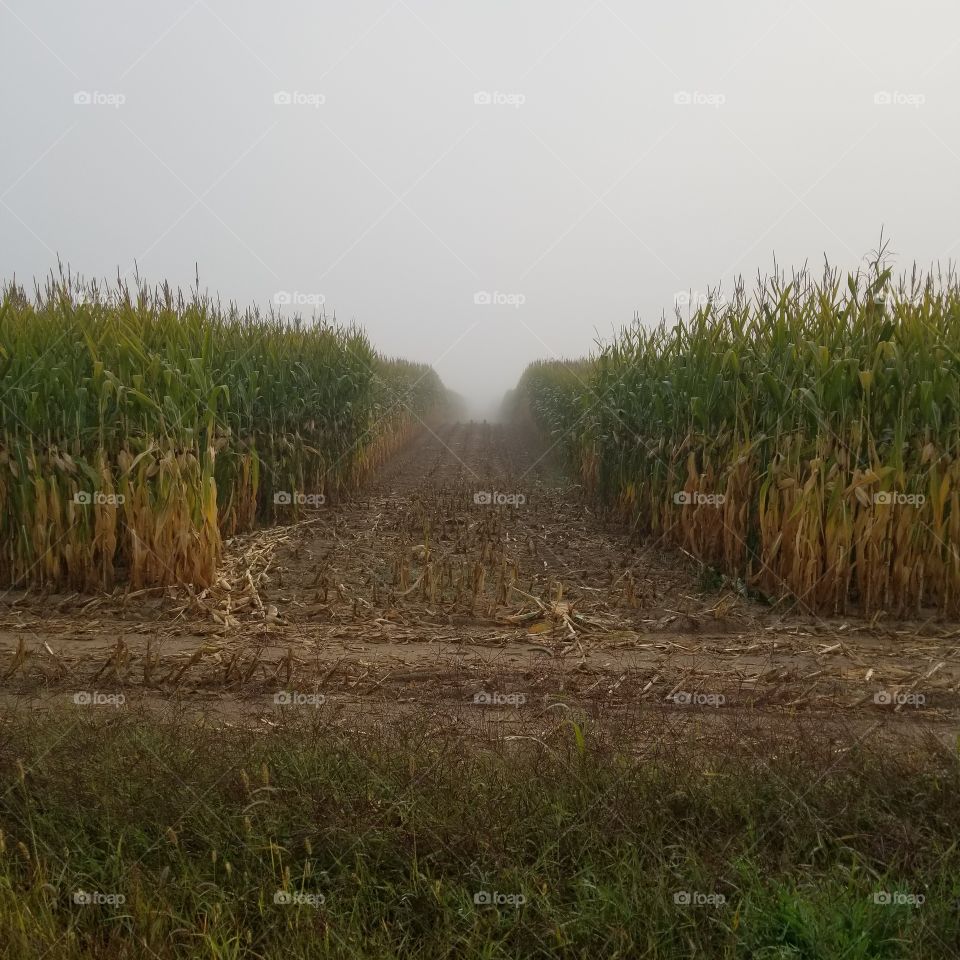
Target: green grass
(198, 828)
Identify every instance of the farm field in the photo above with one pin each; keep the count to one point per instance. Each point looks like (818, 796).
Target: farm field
(312, 615)
(515, 700)
(412, 596)
(479, 481)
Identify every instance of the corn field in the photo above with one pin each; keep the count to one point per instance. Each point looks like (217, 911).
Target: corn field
(140, 428)
(801, 438)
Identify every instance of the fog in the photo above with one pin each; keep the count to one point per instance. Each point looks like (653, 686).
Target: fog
(476, 185)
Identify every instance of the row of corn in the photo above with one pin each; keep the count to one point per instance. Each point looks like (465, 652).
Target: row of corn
(139, 427)
(802, 437)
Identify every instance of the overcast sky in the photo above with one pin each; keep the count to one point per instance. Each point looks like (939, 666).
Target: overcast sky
(619, 153)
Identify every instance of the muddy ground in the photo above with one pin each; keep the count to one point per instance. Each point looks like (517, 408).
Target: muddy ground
(507, 616)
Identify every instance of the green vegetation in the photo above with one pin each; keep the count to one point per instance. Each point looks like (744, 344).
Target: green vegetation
(386, 836)
(139, 427)
(803, 438)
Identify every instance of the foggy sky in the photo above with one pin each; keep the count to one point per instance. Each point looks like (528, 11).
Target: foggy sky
(627, 152)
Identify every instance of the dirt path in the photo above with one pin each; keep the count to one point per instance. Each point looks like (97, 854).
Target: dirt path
(471, 566)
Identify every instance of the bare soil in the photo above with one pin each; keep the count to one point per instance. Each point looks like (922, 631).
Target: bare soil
(415, 596)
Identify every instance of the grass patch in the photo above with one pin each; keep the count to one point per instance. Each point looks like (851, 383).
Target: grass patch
(386, 837)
